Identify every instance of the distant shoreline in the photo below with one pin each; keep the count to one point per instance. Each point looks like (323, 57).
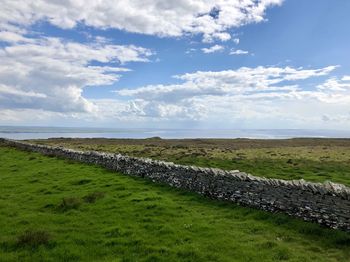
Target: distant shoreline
(22, 133)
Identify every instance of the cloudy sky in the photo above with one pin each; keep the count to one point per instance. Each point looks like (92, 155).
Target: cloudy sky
(175, 64)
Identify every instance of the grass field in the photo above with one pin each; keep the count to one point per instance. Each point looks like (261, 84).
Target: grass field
(316, 160)
(56, 210)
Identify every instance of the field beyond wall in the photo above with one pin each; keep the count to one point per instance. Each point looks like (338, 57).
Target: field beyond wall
(57, 210)
(311, 159)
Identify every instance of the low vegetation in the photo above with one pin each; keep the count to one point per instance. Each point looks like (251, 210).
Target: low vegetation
(33, 238)
(112, 217)
(69, 203)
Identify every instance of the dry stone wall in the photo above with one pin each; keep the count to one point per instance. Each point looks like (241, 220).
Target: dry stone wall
(327, 204)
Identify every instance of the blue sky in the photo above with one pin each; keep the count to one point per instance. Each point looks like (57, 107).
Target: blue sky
(203, 64)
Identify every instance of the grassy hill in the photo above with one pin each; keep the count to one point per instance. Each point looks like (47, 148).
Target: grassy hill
(56, 210)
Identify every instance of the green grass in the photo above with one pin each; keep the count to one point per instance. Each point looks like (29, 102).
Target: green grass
(315, 171)
(313, 160)
(56, 210)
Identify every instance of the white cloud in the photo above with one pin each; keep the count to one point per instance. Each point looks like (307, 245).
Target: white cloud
(334, 90)
(236, 41)
(50, 73)
(247, 98)
(210, 18)
(13, 37)
(6, 90)
(252, 81)
(222, 36)
(334, 84)
(213, 49)
(238, 52)
(43, 78)
(190, 50)
(250, 97)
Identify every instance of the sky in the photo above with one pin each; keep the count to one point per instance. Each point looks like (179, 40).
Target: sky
(211, 64)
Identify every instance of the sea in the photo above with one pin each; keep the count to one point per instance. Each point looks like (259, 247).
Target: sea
(31, 132)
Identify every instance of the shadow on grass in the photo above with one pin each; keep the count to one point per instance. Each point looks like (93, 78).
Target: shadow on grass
(69, 203)
(93, 197)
